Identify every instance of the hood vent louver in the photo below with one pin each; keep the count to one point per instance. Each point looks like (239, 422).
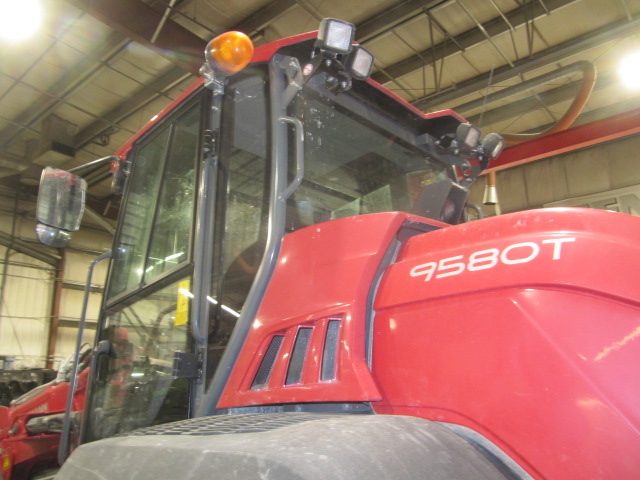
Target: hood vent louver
(268, 361)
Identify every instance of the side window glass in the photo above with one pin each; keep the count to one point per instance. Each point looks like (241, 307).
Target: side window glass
(131, 249)
(172, 229)
(155, 233)
(135, 386)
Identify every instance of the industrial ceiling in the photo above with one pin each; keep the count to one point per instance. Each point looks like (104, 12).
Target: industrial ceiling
(98, 70)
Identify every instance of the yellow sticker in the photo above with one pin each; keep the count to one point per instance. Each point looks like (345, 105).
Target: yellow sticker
(182, 303)
(6, 461)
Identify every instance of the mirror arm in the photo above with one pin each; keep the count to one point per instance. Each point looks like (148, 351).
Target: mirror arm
(95, 163)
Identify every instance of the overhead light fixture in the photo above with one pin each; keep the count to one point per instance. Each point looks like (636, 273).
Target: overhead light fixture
(630, 70)
(19, 19)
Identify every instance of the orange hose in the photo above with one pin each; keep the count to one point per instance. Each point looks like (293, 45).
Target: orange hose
(491, 179)
(570, 116)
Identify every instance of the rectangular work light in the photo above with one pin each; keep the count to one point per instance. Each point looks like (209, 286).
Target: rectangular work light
(359, 63)
(336, 36)
(467, 135)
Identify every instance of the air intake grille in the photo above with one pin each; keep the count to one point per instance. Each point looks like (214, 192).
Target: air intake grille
(330, 352)
(266, 366)
(303, 355)
(226, 424)
(294, 374)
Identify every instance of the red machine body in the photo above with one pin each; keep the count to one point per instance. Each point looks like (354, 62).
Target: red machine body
(24, 453)
(516, 327)
(522, 328)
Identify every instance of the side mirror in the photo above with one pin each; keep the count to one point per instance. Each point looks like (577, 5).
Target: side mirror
(61, 199)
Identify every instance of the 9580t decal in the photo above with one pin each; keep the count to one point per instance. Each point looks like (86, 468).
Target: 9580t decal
(514, 254)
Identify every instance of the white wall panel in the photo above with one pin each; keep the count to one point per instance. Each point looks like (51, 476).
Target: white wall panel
(75, 273)
(67, 338)
(596, 170)
(25, 309)
(77, 266)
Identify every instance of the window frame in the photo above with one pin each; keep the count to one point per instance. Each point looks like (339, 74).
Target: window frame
(135, 292)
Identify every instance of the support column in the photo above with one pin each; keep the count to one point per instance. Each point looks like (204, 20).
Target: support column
(55, 310)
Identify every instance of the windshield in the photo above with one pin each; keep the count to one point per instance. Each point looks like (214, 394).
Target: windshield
(356, 160)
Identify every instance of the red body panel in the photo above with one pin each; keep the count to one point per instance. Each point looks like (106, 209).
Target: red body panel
(324, 271)
(540, 356)
(23, 451)
(526, 331)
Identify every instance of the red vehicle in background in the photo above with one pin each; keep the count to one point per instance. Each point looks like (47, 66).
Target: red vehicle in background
(299, 286)
(30, 427)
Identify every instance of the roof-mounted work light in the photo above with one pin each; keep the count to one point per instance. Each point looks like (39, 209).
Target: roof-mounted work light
(492, 145)
(336, 36)
(359, 63)
(336, 57)
(467, 135)
(467, 153)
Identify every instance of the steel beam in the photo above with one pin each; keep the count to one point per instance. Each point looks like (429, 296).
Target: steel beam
(138, 21)
(131, 105)
(73, 323)
(582, 136)
(540, 59)
(55, 312)
(546, 98)
(25, 248)
(259, 20)
(390, 18)
(250, 25)
(493, 27)
(81, 73)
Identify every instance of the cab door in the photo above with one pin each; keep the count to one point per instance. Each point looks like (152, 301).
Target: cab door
(144, 362)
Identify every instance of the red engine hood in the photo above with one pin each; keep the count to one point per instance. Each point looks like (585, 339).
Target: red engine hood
(522, 327)
(526, 328)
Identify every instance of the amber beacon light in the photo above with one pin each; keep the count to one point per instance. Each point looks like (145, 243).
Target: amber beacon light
(229, 53)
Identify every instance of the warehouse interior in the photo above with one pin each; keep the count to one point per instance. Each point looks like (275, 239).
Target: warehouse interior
(96, 71)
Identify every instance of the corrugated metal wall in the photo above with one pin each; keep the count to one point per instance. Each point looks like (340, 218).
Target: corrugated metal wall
(28, 287)
(75, 278)
(593, 170)
(25, 308)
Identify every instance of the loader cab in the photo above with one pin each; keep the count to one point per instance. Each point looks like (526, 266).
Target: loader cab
(296, 138)
(191, 241)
